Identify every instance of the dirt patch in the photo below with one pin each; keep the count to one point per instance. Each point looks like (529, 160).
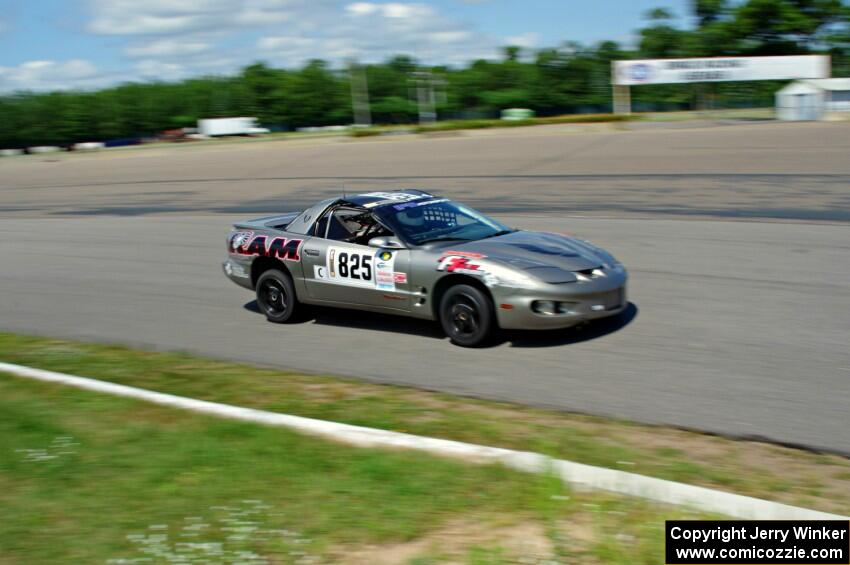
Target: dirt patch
(524, 542)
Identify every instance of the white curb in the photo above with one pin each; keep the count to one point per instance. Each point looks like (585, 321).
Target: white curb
(576, 474)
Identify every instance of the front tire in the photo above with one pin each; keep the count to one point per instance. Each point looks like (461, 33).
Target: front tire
(276, 296)
(467, 317)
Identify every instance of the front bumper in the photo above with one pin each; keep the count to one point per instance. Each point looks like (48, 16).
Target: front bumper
(576, 303)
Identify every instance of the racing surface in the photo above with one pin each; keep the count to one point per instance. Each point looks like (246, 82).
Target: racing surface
(737, 327)
(762, 170)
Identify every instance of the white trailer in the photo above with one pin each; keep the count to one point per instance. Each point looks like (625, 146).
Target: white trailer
(213, 127)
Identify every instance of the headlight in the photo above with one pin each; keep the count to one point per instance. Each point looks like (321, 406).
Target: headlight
(509, 279)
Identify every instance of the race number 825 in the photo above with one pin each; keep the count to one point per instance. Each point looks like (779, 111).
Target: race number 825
(354, 266)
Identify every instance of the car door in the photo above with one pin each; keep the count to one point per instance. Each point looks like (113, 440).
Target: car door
(348, 273)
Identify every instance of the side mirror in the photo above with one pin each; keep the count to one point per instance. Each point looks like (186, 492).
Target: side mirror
(385, 242)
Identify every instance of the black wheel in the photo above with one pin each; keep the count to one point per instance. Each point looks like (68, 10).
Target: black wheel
(276, 296)
(467, 317)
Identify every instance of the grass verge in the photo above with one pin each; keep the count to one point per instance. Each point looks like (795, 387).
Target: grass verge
(767, 471)
(452, 125)
(90, 478)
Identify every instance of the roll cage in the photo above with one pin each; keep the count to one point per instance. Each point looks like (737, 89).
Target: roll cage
(348, 222)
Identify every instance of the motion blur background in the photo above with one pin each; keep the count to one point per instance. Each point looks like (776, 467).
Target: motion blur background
(97, 71)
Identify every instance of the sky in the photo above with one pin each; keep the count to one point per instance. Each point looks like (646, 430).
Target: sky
(88, 44)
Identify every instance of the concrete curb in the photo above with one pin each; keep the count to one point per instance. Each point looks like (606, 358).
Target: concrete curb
(576, 474)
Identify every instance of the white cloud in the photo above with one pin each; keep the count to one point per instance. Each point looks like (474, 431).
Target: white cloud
(527, 40)
(150, 69)
(371, 31)
(267, 12)
(50, 75)
(167, 48)
(455, 36)
(286, 43)
(362, 8)
(158, 17)
(391, 10)
(143, 17)
(173, 39)
(396, 10)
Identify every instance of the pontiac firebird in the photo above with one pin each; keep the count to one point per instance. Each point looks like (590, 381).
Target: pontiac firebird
(411, 253)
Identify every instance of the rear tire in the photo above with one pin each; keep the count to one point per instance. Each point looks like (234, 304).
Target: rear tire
(276, 296)
(467, 316)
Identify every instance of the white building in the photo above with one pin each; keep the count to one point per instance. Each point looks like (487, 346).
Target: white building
(814, 99)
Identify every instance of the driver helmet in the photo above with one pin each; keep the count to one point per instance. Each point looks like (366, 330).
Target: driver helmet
(412, 217)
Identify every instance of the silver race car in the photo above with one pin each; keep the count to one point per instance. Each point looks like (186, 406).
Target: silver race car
(412, 253)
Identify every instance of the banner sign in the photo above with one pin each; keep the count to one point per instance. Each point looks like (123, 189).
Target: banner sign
(719, 69)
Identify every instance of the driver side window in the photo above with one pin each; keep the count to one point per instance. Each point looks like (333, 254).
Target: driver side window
(349, 225)
(340, 227)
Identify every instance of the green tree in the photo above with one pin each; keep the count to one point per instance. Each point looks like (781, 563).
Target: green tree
(264, 90)
(661, 39)
(709, 11)
(785, 27)
(566, 78)
(318, 96)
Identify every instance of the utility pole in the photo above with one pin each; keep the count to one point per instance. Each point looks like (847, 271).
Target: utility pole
(359, 95)
(622, 99)
(425, 83)
(621, 95)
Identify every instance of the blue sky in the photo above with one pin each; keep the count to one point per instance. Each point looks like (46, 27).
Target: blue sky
(61, 44)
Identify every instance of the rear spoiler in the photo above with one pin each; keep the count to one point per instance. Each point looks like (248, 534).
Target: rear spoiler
(278, 222)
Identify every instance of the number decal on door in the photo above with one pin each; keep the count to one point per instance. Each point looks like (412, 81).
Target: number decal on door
(348, 266)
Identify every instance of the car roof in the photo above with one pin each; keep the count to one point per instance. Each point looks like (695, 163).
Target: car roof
(366, 200)
(369, 199)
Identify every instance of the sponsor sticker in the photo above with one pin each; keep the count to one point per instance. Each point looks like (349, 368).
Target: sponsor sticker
(392, 198)
(353, 267)
(239, 240)
(384, 278)
(277, 247)
(459, 264)
(417, 204)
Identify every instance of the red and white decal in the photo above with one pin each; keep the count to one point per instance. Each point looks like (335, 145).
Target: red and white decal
(278, 248)
(458, 264)
(239, 240)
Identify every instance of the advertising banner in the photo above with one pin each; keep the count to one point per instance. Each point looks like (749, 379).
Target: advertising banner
(719, 69)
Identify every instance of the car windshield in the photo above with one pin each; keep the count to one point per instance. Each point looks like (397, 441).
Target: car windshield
(438, 219)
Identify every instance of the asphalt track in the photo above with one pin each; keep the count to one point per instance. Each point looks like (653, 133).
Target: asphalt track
(737, 327)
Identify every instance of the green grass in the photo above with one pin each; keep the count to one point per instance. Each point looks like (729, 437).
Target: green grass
(743, 114)
(132, 465)
(750, 468)
(453, 125)
(89, 478)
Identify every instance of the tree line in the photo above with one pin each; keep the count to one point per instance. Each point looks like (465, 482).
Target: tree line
(569, 78)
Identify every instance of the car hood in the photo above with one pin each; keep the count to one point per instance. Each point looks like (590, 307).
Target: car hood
(547, 256)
